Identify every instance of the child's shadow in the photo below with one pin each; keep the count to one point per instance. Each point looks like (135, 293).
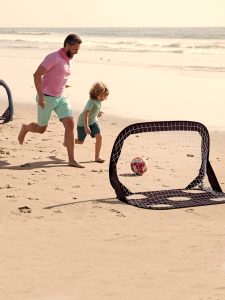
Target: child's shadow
(53, 162)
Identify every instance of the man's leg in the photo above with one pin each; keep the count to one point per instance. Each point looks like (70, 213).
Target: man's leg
(68, 124)
(32, 127)
(43, 119)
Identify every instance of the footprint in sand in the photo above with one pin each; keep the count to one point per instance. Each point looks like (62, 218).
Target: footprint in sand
(31, 198)
(96, 206)
(76, 186)
(97, 171)
(118, 213)
(58, 189)
(25, 165)
(57, 211)
(189, 210)
(8, 186)
(24, 209)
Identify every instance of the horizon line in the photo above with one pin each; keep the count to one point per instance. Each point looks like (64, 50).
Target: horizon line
(174, 26)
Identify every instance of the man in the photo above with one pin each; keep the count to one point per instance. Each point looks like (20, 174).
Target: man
(50, 81)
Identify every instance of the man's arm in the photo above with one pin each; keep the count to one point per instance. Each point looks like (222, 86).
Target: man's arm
(38, 84)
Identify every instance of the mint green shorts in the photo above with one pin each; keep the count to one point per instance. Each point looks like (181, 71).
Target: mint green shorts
(59, 105)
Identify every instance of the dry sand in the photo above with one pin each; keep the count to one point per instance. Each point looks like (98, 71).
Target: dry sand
(79, 242)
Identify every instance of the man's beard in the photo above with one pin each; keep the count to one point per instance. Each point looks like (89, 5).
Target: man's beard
(69, 54)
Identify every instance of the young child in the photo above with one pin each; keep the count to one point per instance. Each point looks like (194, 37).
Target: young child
(88, 120)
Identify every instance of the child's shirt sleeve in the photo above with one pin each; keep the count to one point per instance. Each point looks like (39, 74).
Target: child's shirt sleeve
(89, 105)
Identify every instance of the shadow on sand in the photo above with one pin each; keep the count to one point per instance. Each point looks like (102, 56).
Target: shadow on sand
(104, 200)
(51, 163)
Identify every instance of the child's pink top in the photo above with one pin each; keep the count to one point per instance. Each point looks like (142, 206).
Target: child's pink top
(57, 65)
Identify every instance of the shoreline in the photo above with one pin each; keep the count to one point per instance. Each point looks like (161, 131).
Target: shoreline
(136, 90)
(118, 118)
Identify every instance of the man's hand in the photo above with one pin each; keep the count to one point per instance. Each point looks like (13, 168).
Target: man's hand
(87, 130)
(41, 102)
(38, 84)
(100, 113)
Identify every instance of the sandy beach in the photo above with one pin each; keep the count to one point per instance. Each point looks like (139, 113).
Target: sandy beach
(77, 241)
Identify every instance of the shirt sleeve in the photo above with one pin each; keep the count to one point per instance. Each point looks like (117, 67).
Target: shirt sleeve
(89, 105)
(49, 61)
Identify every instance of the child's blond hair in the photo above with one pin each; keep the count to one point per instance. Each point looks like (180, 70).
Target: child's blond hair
(97, 89)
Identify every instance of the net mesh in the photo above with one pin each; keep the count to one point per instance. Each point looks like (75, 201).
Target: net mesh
(179, 173)
(6, 105)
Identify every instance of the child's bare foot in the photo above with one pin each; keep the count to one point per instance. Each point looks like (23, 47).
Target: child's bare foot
(99, 160)
(75, 164)
(22, 134)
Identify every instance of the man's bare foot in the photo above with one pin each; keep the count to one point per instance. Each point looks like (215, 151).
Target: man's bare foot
(99, 160)
(75, 164)
(22, 134)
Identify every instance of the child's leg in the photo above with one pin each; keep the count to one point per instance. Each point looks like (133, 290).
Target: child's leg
(98, 145)
(81, 135)
(78, 142)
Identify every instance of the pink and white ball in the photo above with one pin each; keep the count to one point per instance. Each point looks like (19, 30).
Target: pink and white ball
(139, 165)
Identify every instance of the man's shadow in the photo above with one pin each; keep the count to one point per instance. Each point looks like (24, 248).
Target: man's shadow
(4, 164)
(51, 163)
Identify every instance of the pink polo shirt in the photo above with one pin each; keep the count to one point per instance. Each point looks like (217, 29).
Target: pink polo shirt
(57, 65)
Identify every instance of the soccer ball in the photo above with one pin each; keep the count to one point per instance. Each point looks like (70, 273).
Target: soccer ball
(139, 165)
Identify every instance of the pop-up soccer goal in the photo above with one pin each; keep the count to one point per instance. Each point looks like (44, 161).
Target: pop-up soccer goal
(179, 172)
(6, 103)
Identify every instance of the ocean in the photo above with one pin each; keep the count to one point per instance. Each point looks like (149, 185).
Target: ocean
(206, 40)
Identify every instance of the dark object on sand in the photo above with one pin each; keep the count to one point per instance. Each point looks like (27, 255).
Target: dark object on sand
(7, 116)
(25, 209)
(174, 179)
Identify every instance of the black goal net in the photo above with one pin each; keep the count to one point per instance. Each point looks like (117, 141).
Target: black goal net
(6, 103)
(178, 174)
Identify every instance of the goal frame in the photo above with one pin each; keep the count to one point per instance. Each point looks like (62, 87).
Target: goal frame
(122, 192)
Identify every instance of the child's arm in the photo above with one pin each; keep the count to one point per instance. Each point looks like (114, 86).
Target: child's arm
(86, 127)
(100, 113)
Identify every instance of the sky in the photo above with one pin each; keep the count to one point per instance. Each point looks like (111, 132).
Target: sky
(112, 13)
